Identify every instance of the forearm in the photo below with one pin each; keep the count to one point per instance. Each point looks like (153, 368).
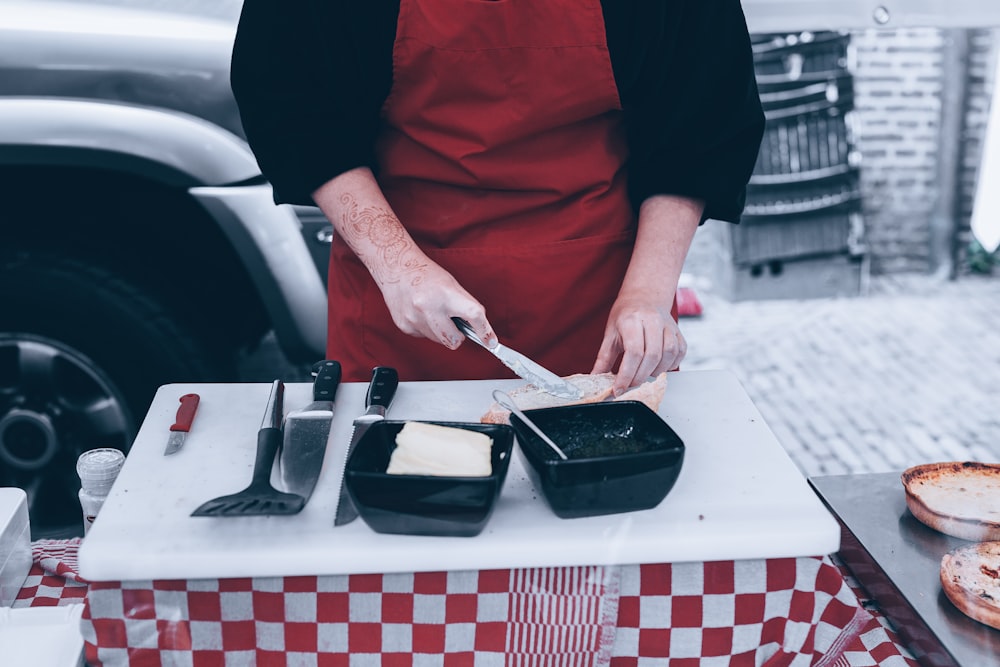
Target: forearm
(361, 216)
(421, 296)
(666, 227)
(641, 332)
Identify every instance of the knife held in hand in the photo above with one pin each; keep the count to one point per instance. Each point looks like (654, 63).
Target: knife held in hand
(524, 367)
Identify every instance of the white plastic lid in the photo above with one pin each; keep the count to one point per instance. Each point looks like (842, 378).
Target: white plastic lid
(99, 467)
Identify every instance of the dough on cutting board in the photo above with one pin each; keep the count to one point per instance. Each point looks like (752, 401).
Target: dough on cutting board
(596, 388)
(432, 449)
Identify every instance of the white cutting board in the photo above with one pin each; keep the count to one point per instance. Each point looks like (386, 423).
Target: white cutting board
(738, 496)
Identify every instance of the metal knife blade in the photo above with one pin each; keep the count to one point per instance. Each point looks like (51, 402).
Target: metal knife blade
(535, 373)
(524, 367)
(381, 391)
(307, 431)
(182, 423)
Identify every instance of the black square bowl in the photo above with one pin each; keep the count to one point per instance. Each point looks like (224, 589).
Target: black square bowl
(424, 504)
(621, 457)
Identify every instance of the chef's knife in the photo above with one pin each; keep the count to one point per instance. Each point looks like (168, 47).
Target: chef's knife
(381, 391)
(531, 371)
(307, 431)
(182, 423)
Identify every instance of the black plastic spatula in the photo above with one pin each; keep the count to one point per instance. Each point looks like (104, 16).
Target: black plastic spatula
(260, 498)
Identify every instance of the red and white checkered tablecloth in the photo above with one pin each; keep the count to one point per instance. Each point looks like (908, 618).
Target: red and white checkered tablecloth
(53, 580)
(770, 613)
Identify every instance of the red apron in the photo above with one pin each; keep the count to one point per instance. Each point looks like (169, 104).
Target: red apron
(503, 155)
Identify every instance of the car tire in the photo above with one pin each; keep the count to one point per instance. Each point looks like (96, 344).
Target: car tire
(82, 352)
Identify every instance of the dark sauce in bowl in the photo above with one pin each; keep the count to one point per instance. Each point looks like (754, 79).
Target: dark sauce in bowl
(599, 438)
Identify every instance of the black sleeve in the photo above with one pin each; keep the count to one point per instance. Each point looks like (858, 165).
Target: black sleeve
(686, 80)
(309, 77)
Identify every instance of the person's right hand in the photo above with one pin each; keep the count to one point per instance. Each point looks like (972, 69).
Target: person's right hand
(424, 300)
(421, 296)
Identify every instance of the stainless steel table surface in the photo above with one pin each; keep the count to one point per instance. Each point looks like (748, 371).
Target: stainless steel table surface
(897, 559)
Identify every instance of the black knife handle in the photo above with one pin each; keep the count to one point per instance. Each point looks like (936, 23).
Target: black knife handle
(327, 375)
(382, 388)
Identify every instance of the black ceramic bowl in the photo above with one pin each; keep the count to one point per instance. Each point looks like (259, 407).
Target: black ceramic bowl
(424, 504)
(621, 457)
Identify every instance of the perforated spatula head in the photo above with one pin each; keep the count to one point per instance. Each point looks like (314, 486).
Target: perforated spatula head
(260, 498)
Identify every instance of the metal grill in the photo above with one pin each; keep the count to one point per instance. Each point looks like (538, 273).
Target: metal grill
(804, 198)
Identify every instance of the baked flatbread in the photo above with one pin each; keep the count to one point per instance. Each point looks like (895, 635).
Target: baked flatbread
(970, 577)
(958, 498)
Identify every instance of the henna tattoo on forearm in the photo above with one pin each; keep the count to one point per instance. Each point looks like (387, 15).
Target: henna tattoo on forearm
(371, 227)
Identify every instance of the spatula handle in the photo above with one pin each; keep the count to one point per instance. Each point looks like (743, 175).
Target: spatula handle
(268, 441)
(269, 436)
(274, 410)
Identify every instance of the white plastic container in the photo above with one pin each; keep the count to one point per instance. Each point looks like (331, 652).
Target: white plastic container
(98, 469)
(15, 543)
(41, 636)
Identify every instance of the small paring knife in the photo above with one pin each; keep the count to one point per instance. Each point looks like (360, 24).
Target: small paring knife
(182, 423)
(531, 371)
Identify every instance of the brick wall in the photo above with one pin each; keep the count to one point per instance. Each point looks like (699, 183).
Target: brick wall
(898, 78)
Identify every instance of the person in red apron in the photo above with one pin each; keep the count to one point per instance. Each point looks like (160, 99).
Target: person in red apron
(498, 187)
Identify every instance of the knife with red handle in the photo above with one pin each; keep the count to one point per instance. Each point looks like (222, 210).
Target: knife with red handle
(182, 423)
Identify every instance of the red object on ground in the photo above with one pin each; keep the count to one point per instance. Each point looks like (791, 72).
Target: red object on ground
(688, 304)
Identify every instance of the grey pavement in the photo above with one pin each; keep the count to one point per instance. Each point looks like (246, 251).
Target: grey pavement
(908, 373)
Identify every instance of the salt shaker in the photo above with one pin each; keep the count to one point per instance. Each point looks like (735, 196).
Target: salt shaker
(98, 469)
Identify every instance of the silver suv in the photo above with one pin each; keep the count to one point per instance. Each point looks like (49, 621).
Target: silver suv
(139, 244)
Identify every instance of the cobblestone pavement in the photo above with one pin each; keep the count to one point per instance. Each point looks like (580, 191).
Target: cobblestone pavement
(908, 374)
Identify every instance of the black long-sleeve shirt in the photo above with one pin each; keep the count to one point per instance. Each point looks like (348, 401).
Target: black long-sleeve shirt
(310, 78)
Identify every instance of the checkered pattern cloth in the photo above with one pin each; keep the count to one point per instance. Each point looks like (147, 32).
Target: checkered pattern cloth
(53, 580)
(522, 617)
(878, 644)
(787, 612)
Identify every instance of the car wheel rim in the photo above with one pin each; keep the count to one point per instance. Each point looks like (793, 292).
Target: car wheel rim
(55, 403)
(28, 440)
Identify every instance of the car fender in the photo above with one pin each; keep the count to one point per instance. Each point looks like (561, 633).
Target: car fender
(269, 241)
(168, 146)
(214, 166)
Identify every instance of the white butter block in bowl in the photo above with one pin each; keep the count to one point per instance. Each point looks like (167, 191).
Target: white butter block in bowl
(15, 543)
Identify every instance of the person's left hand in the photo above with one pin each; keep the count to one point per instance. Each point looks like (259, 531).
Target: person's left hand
(644, 335)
